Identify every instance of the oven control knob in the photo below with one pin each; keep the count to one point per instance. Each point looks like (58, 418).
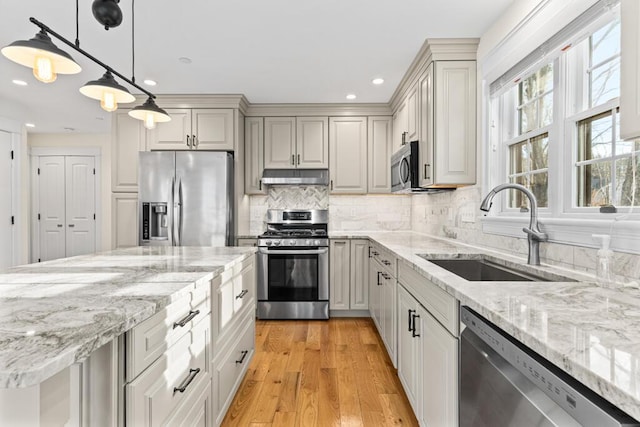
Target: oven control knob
(316, 242)
(308, 242)
(268, 242)
(276, 243)
(292, 242)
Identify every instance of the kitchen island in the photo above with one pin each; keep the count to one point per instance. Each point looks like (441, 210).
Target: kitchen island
(56, 314)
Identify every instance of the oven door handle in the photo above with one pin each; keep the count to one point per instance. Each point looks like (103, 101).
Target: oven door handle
(294, 252)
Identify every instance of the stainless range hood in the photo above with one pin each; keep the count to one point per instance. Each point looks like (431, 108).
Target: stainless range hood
(296, 176)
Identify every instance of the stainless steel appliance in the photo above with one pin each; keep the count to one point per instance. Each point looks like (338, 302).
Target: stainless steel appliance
(404, 169)
(185, 198)
(504, 383)
(296, 176)
(293, 265)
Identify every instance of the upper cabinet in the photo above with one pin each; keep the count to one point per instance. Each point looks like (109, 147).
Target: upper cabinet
(195, 129)
(630, 70)
(291, 142)
(128, 137)
(348, 151)
(379, 152)
(406, 119)
(254, 155)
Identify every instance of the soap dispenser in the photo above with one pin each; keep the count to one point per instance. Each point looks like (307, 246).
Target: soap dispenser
(604, 261)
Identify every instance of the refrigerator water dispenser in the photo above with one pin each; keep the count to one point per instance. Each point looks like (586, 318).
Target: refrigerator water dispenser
(155, 221)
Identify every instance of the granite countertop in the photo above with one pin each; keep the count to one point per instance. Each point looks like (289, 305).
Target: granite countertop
(593, 333)
(56, 313)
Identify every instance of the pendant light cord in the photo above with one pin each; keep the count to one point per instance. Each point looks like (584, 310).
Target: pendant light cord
(133, 43)
(77, 26)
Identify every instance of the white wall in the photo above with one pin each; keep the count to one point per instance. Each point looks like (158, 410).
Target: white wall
(102, 141)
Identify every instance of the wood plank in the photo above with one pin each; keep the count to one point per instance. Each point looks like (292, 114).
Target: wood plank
(397, 410)
(284, 419)
(289, 394)
(271, 391)
(328, 400)
(241, 409)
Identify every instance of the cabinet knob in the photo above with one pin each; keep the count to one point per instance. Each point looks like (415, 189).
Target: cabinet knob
(188, 142)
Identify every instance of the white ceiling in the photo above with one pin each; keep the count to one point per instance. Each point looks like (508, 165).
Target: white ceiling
(272, 51)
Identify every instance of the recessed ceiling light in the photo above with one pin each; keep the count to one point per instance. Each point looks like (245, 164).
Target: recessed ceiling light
(150, 82)
(19, 82)
(184, 60)
(377, 81)
(30, 125)
(351, 96)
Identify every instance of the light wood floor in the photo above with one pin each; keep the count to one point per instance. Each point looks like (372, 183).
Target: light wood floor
(320, 373)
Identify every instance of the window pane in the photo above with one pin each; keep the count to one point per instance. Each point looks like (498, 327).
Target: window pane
(534, 109)
(518, 154)
(605, 82)
(594, 184)
(539, 186)
(605, 42)
(624, 182)
(539, 152)
(594, 137)
(546, 110)
(516, 199)
(528, 117)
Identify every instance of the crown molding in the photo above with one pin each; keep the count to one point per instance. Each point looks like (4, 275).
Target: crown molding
(336, 109)
(238, 101)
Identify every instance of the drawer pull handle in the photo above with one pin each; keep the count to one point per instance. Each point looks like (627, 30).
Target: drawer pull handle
(187, 381)
(182, 323)
(413, 331)
(385, 262)
(386, 276)
(242, 294)
(375, 253)
(409, 320)
(244, 354)
(379, 273)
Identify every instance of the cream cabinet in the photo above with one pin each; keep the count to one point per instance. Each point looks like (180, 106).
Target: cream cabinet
(630, 69)
(246, 241)
(428, 348)
(348, 155)
(195, 129)
(253, 155)
(406, 119)
(379, 153)
(448, 129)
(124, 220)
(348, 274)
(382, 296)
(291, 142)
(128, 137)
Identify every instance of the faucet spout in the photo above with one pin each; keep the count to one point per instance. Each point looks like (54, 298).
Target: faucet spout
(534, 234)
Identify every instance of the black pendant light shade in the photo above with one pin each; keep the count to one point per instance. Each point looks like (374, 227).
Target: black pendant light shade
(29, 52)
(150, 113)
(107, 12)
(108, 91)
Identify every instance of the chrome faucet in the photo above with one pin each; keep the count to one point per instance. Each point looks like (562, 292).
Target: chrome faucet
(534, 234)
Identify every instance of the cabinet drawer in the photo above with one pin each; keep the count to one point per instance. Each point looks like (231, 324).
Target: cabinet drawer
(150, 339)
(172, 379)
(195, 411)
(439, 303)
(386, 259)
(228, 371)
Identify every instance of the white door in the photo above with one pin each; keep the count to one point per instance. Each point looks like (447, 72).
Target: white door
(6, 229)
(80, 205)
(51, 207)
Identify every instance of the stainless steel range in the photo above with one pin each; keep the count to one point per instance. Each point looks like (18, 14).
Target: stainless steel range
(293, 265)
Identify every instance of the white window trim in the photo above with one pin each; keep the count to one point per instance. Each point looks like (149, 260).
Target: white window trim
(562, 221)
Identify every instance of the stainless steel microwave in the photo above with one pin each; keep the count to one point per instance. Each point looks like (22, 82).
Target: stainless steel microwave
(404, 169)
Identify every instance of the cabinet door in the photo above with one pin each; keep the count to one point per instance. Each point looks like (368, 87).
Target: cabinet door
(212, 129)
(388, 314)
(413, 111)
(348, 155)
(359, 298)
(172, 135)
(455, 122)
(128, 137)
(124, 220)
(339, 251)
(279, 142)
(439, 374)
(246, 241)
(374, 293)
(399, 126)
(379, 152)
(254, 155)
(196, 412)
(425, 150)
(630, 70)
(407, 346)
(312, 142)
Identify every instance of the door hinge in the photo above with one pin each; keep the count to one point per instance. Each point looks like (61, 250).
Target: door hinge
(11, 154)
(38, 217)
(38, 171)
(13, 220)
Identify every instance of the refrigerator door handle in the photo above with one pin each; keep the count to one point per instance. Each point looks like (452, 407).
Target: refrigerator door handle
(173, 206)
(180, 212)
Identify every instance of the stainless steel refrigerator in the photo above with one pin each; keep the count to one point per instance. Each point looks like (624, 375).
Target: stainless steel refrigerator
(185, 198)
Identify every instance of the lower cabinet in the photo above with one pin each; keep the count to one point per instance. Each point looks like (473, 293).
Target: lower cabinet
(382, 297)
(124, 220)
(348, 274)
(427, 363)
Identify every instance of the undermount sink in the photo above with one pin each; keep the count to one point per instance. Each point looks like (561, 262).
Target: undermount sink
(484, 270)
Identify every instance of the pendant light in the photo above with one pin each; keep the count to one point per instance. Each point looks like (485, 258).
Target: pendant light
(108, 91)
(150, 113)
(39, 53)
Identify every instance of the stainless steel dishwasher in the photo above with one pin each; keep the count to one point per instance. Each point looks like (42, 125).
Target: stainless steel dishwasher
(504, 383)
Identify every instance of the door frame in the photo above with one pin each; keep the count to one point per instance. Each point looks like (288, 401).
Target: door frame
(34, 154)
(15, 132)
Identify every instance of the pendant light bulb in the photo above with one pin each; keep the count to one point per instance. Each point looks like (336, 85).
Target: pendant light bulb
(108, 102)
(43, 69)
(149, 121)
